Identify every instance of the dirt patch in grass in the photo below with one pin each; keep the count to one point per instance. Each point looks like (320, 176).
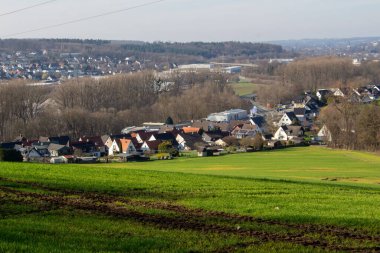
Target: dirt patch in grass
(352, 180)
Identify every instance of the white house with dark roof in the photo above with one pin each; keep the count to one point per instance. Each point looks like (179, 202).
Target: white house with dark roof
(324, 134)
(287, 119)
(286, 133)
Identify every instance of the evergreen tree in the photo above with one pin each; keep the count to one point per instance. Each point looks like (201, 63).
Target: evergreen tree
(169, 121)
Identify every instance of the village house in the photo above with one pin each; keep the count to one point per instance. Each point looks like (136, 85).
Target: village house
(212, 137)
(98, 142)
(115, 147)
(289, 118)
(107, 140)
(324, 135)
(164, 137)
(58, 150)
(287, 133)
(245, 130)
(259, 122)
(336, 92)
(83, 147)
(191, 130)
(189, 141)
(143, 136)
(151, 146)
(303, 115)
(60, 140)
(323, 94)
(127, 147)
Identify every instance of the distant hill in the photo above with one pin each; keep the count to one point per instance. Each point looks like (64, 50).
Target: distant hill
(330, 42)
(205, 50)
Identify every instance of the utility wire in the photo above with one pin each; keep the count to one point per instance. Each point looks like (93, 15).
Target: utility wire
(87, 18)
(27, 8)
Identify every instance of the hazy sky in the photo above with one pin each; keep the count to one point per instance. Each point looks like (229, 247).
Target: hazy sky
(195, 20)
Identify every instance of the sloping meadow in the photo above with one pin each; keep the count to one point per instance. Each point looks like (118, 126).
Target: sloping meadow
(250, 202)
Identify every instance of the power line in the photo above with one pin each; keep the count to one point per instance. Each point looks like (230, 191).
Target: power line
(27, 8)
(87, 18)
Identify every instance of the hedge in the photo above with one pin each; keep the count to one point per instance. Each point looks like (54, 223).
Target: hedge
(10, 155)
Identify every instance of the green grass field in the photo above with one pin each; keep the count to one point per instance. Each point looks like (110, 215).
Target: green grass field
(244, 88)
(294, 200)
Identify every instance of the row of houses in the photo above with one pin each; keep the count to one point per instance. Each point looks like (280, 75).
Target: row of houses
(365, 94)
(52, 67)
(139, 141)
(299, 116)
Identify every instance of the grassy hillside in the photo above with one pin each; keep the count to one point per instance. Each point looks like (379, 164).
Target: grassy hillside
(295, 200)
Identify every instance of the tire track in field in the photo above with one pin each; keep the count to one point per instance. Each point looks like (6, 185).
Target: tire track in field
(309, 228)
(189, 219)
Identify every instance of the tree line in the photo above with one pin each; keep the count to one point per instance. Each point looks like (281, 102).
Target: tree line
(86, 106)
(311, 74)
(208, 50)
(352, 125)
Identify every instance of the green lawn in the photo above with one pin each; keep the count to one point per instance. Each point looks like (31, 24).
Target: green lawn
(244, 88)
(295, 200)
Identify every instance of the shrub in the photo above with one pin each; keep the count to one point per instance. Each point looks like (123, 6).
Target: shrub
(10, 155)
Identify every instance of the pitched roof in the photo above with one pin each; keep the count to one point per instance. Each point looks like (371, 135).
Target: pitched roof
(29, 143)
(105, 138)
(292, 130)
(188, 130)
(97, 140)
(153, 145)
(291, 115)
(258, 120)
(324, 92)
(249, 127)
(164, 136)
(145, 135)
(268, 136)
(10, 145)
(214, 135)
(136, 143)
(61, 140)
(56, 147)
(245, 133)
(167, 129)
(120, 136)
(43, 139)
(192, 139)
(299, 99)
(125, 144)
(299, 111)
(84, 145)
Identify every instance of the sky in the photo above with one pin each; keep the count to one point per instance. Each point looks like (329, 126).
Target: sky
(193, 20)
